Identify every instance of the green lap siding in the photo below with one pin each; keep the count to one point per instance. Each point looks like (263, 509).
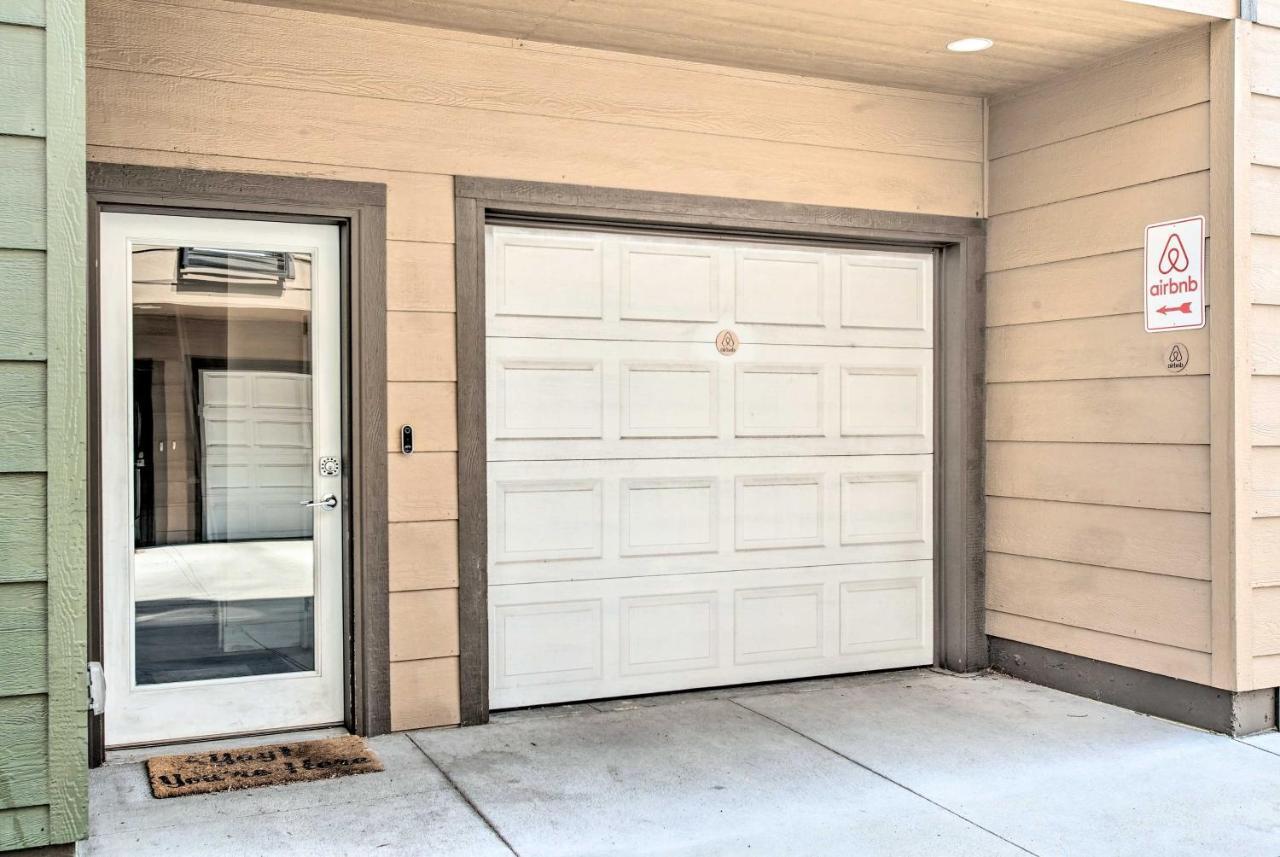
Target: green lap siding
(43, 729)
(22, 294)
(19, 828)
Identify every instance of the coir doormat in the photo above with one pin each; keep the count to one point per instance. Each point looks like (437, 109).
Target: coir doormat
(265, 765)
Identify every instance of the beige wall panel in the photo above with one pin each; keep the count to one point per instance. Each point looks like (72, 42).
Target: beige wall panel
(1265, 69)
(1170, 409)
(1265, 269)
(422, 486)
(1126, 603)
(424, 693)
(1155, 81)
(420, 346)
(1110, 284)
(1264, 551)
(424, 624)
(1264, 406)
(1265, 198)
(423, 555)
(1109, 347)
(1266, 620)
(1264, 344)
(420, 277)
(1104, 160)
(1092, 225)
(1265, 136)
(1151, 540)
(430, 407)
(1139, 654)
(1266, 671)
(430, 66)
(1161, 476)
(256, 121)
(419, 205)
(1265, 480)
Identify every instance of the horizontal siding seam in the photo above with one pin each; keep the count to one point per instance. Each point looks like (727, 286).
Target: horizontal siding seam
(222, 81)
(1077, 442)
(1146, 506)
(427, 660)
(1067, 199)
(300, 164)
(1093, 505)
(1120, 568)
(415, 241)
(1084, 258)
(1104, 633)
(1038, 382)
(1040, 146)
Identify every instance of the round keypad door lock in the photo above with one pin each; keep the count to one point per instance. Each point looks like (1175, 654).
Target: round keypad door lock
(330, 466)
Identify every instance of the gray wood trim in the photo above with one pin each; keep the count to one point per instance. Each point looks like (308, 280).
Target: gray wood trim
(1232, 712)
(708, 211)
(960, 404)
(473, 536)
(359, 209)
(960, 638)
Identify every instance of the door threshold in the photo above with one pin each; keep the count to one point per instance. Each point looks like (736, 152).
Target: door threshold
(141, 752)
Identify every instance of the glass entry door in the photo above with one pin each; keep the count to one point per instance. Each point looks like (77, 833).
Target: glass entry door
(222, 502)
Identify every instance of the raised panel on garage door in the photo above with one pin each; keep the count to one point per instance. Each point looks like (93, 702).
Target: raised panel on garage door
(575, 285)
(579, 399)
(664, 516)
(601, 518)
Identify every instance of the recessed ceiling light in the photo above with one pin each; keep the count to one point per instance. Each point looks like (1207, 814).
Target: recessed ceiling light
(969, 46)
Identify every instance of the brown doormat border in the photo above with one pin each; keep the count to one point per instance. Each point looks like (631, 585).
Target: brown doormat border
(264, 765)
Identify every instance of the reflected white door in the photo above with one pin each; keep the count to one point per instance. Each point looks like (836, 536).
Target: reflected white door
(222, 490)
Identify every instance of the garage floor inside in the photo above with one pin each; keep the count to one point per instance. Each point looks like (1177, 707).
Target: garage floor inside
(914, 762)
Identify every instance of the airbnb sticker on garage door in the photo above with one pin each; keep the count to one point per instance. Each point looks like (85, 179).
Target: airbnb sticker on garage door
(1174, 281)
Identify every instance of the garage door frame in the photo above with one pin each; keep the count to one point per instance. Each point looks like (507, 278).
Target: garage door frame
(960, 641)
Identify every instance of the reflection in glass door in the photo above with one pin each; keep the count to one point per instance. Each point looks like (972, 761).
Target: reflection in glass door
(222, 513)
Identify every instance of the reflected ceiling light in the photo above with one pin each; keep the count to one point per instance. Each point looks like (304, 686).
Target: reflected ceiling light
(970, 45)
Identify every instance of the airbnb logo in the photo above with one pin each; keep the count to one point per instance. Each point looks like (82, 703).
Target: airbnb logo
(1174, 256)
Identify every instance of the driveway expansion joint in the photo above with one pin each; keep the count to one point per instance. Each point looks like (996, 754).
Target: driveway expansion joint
(881, 775)
(466, 798)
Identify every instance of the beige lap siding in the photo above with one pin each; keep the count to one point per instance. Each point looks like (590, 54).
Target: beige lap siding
(225, 86)
(1264, 346)
(1097, 458)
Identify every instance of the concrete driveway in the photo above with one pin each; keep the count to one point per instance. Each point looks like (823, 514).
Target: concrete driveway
(905, 763)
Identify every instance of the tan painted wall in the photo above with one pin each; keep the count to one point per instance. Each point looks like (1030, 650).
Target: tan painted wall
(1098, 459)
(216, 85)
(1263, 282)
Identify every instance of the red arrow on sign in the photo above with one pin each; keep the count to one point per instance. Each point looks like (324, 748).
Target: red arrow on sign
(1165, 310)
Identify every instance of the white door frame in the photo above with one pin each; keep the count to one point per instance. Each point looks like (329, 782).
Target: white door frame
(157, 713)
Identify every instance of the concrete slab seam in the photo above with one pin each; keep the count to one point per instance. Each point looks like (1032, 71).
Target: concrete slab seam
(884, 777)
(466, 798)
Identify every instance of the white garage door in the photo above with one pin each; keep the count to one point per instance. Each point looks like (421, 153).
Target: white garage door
(665, 516)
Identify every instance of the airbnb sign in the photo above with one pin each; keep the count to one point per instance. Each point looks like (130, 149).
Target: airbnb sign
(1174, 281)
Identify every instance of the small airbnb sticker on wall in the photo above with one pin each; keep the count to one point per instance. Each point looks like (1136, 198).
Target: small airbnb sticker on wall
(1174, 281)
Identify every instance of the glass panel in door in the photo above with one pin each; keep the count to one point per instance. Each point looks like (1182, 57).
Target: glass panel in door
(223, 559)
(221, 389)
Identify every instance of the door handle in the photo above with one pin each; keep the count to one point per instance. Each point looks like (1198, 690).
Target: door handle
(329, 502)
